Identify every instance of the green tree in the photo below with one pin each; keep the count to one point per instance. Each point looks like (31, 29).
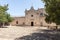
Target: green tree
(52, 8)
(4, 16)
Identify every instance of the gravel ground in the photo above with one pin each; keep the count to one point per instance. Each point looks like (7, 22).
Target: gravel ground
(13, 32)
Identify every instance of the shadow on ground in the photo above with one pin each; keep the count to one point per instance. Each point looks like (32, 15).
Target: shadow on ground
(42, 35)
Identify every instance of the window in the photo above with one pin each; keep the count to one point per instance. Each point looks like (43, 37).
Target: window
(41, 14)
(16, 22)
(31, 15)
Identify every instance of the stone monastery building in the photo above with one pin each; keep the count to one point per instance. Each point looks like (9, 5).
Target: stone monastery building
(32, 18)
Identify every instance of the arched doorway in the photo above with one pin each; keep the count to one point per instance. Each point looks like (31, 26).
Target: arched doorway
(16, 22)
(32, 23)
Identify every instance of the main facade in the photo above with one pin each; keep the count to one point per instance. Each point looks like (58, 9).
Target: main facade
(32, 18)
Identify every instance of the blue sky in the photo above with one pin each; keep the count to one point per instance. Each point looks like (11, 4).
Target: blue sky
(17, 7)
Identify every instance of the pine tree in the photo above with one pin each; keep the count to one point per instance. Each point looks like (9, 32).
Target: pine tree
(4, 16)
(52, 8)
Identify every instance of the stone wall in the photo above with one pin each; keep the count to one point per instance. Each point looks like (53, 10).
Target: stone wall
(32, 17)
(18, 21)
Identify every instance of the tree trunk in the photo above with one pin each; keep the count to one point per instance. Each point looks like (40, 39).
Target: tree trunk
(3, 24)
(56, 27)
(0, 24)
(10, 24)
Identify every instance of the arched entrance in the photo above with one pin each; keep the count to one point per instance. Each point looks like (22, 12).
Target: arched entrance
(32, 23)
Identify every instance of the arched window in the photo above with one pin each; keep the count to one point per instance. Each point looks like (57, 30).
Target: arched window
(41, 14)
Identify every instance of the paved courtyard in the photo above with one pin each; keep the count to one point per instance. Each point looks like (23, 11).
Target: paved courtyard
(13, 32)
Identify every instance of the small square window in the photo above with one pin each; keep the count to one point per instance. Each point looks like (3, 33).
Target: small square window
(31, 15)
